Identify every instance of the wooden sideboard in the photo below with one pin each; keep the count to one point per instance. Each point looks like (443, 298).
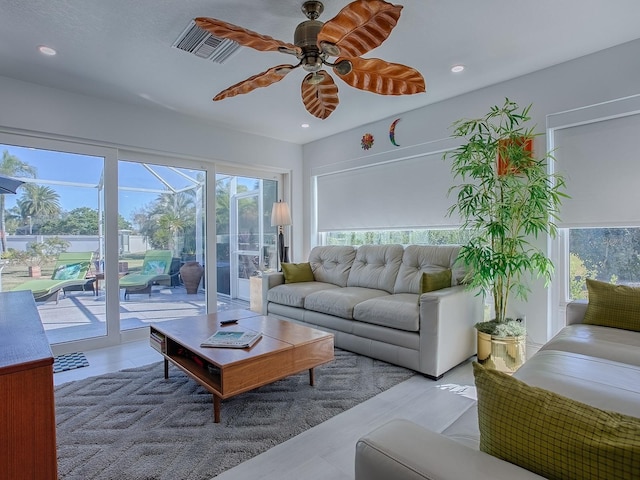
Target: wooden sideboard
(27, 410)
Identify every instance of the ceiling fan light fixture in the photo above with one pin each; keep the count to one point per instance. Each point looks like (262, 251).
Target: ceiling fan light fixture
(312, 62)
(330, 49)
(315, 78)
(343, 67)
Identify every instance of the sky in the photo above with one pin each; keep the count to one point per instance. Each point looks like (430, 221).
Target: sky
(86, 170)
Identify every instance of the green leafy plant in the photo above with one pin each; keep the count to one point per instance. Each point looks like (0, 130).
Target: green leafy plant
(40, 253)
(505, 208)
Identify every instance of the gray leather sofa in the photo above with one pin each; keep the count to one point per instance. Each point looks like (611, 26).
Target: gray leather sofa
(368, 297)
(599, 366)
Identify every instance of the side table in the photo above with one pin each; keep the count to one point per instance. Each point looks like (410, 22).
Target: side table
(100, 276)
(255, 294)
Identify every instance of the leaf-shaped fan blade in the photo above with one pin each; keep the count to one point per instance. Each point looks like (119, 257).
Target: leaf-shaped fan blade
(360, 27)
(264, 79)
(241, 35)
(319, 94)
(385, 78)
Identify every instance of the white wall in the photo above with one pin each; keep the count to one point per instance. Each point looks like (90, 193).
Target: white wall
(600, 77)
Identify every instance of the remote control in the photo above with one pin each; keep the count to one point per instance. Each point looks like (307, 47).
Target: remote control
(228, 322)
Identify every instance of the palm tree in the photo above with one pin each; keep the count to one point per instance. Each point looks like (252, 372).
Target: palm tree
(11, 166)
(163, 220)
(174, 212)
(39, 202)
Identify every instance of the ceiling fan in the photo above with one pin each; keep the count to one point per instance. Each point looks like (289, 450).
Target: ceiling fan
(358, 28)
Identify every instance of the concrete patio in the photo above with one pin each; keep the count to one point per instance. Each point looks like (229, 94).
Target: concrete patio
(79, 315)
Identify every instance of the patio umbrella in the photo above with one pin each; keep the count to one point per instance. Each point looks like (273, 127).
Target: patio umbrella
(9, 185)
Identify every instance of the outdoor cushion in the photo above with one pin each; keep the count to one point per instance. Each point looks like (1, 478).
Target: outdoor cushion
(616, 306)
(396, 311)
(69, 272)
(154, 267)
(376, 266)
(340, 302)
(294, 294)
(552, 435)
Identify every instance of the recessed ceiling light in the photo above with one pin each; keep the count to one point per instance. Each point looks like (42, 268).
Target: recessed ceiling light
(457, 68)
(43, 49)
(305, 125)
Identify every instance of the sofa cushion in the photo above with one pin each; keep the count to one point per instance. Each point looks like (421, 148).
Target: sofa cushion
(396, 311)
(552, 435)
(432, 281)
(297, 272)
(598, 382)
(332, 264)
(418, 259)
(616, 306)
(376, 266)
(341, 301)
(294, 294)
(596, 341)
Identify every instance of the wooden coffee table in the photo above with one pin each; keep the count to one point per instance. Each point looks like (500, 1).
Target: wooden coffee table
(286, 348)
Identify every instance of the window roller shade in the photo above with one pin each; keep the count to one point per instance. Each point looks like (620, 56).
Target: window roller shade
(409, 193)
(601, 165)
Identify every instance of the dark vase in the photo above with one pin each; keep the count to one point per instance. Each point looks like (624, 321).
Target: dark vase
(191, 274)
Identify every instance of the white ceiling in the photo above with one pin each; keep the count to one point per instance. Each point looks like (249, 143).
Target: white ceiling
(122, 50)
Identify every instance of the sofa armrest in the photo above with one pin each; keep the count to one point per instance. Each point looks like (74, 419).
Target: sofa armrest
(575, 311)
(270, 280)
(447, 336)
(402, 450)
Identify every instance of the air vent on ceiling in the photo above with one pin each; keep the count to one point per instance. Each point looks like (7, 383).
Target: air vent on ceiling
(204, 45)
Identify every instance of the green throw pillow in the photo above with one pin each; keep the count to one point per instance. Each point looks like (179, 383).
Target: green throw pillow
(435, 281)
(551, 435)
(616, 306)
(297, 272)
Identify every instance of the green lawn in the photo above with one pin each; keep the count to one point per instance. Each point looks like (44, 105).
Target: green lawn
(15, 274)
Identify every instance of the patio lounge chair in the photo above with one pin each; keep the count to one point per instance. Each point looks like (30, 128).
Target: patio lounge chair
(70, 271)
(155, 268)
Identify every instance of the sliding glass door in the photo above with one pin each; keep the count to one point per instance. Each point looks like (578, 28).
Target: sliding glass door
(52, 233)
(245, 258)
(162, 249)
(246, 241)
(105, 246)
(119, 239)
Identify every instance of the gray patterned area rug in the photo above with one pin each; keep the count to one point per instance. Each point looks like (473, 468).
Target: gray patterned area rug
(135, 425)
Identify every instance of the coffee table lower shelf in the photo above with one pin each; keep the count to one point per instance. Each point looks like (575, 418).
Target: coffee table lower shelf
(285, 349)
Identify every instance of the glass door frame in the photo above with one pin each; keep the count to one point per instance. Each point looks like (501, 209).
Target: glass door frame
(210, 269)
(110, 158)
(240, 289)
(283, 188)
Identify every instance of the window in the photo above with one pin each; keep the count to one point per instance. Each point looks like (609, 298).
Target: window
(605, 254)
(404, 237)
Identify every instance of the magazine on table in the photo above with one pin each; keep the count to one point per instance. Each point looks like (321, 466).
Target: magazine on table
(236, 338)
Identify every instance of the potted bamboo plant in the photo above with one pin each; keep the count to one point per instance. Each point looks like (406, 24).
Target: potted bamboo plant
(506, 199)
